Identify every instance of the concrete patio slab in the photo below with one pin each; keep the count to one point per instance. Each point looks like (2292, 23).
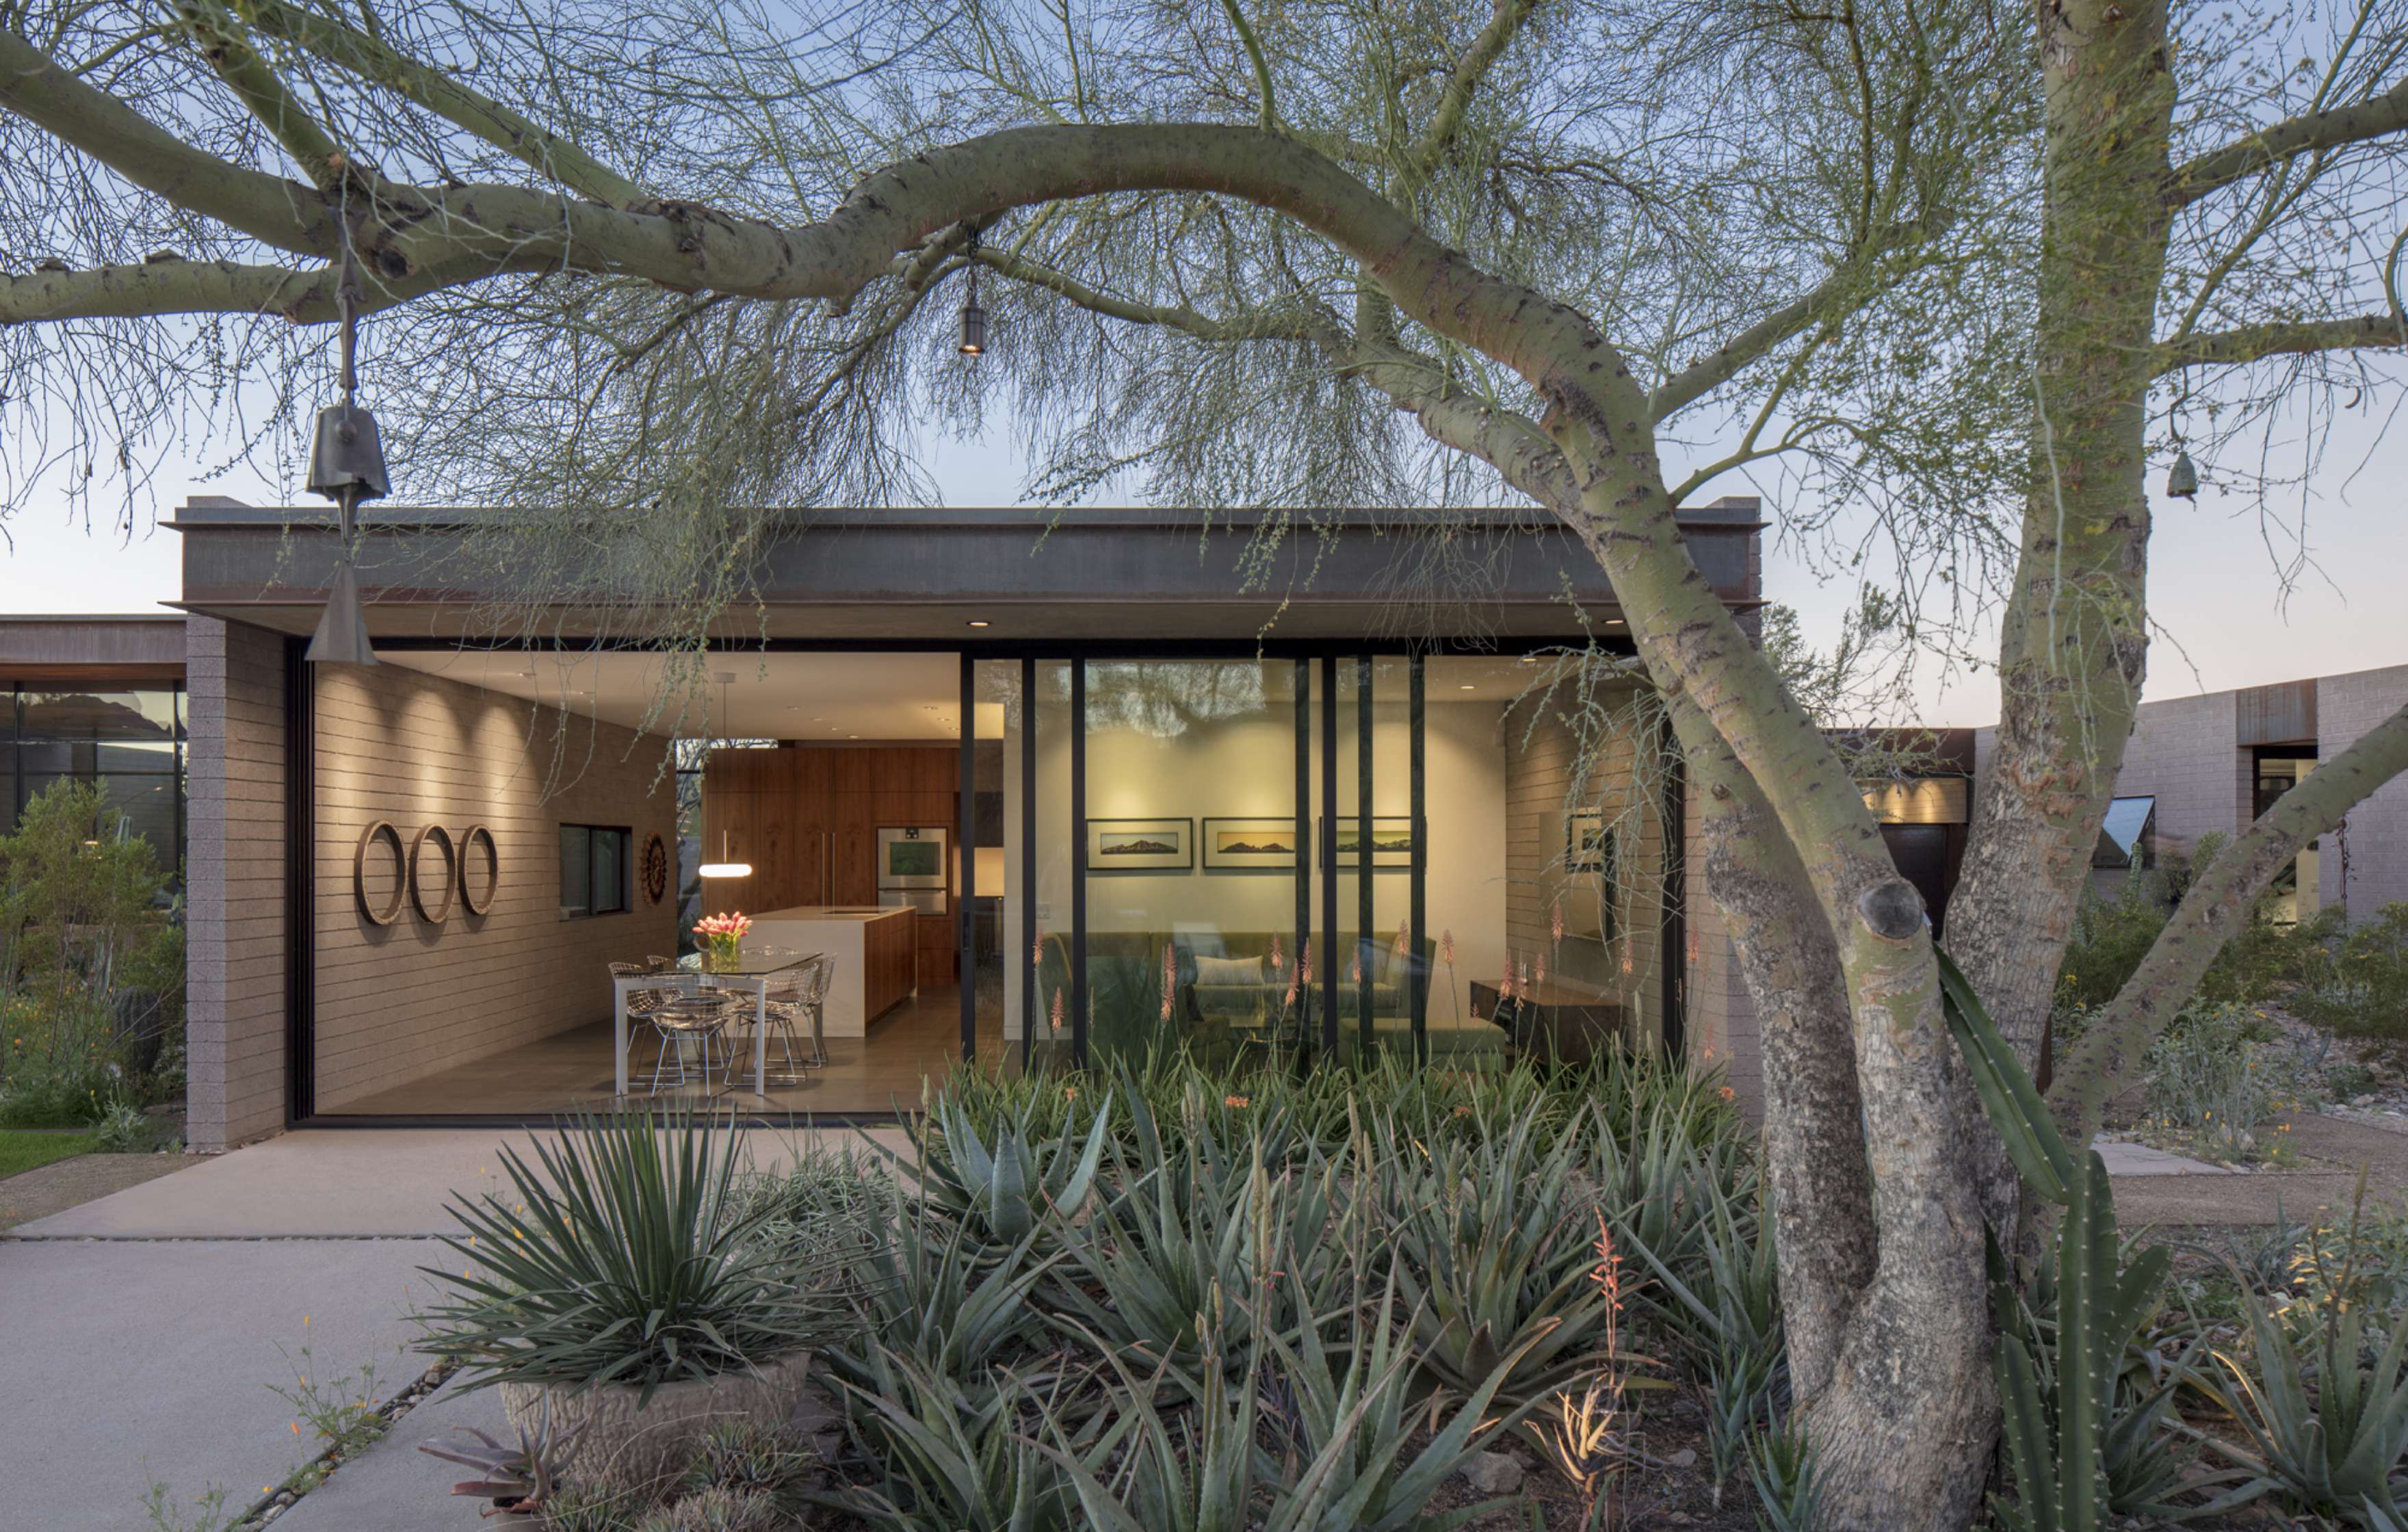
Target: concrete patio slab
(130, 1363)
(347, 1182)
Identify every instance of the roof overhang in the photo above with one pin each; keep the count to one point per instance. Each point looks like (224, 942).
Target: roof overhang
(124, 647)
(919, 574)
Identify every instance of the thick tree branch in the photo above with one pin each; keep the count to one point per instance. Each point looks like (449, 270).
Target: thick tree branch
(369, 58)
(271, 211)
(2220, 901)
(1837, 295)
(264, 93)
(2354, 123)
(2252, 343)
(1455, 102)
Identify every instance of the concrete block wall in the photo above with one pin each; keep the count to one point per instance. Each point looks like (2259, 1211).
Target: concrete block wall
(2183, 752)
(2372, 848)
(235, 920)
(396, 1002)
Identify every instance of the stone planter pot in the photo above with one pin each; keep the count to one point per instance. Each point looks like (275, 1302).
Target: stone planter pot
(624, 1447)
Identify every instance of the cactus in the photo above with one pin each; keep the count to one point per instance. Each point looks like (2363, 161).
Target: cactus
(2057, 1439)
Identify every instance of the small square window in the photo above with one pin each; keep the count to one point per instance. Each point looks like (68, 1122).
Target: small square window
(592, 870)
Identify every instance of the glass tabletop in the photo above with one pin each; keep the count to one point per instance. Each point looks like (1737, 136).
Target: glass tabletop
(749, 965)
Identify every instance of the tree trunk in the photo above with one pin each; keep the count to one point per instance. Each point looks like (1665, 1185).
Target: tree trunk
(2075, 637)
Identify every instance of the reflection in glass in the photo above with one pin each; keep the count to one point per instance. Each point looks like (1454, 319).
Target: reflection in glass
(1185, 949)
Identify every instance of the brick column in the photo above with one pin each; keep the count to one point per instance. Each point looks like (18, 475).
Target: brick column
(234, 907)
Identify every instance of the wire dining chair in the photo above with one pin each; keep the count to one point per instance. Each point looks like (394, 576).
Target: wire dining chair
(793, 994)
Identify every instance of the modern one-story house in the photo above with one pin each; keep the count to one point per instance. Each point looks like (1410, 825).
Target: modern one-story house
(2211, 763)
(1034, 800)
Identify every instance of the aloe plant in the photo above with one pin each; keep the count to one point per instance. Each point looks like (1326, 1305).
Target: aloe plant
(1493, 1256)
(1726, 1312)
(2057, 1391)
(936, 1293)
(1349, 1425)
(943, 1461)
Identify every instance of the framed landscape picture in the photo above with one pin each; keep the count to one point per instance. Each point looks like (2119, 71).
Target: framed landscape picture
(1588, 844)
(1245, 845)
(1392, 842)
(1140, 845)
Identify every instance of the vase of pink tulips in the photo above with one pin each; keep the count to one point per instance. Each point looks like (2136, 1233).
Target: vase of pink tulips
(722, 936)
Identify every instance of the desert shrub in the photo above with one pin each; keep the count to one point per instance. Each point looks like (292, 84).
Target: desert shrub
(2111, 933)
(2358, 982)
(2218, 1072)
(91, 966)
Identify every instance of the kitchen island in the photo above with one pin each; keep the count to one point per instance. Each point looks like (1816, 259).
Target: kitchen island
(870, 953)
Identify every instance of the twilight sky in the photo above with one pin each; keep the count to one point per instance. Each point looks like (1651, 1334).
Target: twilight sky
(2225, 618)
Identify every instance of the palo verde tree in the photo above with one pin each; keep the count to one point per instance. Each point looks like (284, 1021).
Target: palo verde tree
(642, 271)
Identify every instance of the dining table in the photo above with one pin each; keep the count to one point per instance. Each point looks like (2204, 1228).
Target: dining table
(744, 972)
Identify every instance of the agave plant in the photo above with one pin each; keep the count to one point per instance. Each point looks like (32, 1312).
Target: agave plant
(1492, 1255)
(520, 1476)
(941, 1461)
(2332, 1445)
(618, 1258)
(1005, 1190)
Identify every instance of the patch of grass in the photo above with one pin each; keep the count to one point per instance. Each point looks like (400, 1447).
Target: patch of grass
(21, 1150)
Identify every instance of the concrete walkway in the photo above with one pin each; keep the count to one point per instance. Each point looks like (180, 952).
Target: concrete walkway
(346, 1183)
(2153, 1187)
(145, 1332)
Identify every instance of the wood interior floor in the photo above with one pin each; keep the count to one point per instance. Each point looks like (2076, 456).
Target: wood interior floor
(571, 1072)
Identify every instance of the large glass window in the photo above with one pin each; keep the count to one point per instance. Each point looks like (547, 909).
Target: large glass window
(132, 740)
(1191, 856)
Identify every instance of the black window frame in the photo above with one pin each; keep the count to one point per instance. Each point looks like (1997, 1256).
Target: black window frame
(595, 907)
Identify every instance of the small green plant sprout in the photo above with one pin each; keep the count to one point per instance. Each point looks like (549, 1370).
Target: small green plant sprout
(1788, 1482)
(520, 1478)
(338, 1411)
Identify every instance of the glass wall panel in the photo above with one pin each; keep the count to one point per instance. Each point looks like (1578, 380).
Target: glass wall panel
(998, 951)
(1049, 1030)
(53, 733)
(1191, 854)
(1546, 786)
(1374, 943)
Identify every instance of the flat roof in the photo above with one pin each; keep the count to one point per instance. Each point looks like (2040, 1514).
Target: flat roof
(923, 573)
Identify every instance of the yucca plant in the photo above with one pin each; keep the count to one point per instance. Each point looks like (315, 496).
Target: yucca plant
(2329, 1426)
(617, 1258)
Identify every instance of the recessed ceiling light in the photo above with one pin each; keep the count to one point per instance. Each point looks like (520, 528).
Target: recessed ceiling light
(978, 622)
(852, 736)
(1530, 658)
(1467, 686)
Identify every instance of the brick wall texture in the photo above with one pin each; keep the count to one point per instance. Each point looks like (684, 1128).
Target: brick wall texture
(396, 1002)
(234, 847)
(2371, 849)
